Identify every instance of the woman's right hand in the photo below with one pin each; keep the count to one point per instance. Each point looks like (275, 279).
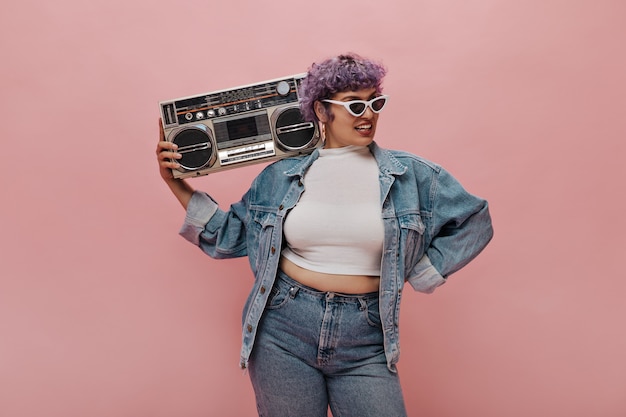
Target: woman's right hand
(166, 155)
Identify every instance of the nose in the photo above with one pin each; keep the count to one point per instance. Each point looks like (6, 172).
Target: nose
(369, 113)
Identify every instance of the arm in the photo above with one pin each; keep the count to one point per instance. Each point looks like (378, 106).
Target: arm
(218, 233)
(461, 226)
(458, 230)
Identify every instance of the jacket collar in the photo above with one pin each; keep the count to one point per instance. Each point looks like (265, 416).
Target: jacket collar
(303, 164)
(387, 163)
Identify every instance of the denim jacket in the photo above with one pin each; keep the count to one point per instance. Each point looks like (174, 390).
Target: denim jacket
(432, 228)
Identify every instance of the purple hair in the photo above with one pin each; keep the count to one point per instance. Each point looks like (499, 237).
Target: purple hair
(347, 72)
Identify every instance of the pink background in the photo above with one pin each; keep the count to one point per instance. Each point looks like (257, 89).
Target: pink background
(105, 311)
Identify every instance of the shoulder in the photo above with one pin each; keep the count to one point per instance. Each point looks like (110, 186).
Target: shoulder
(282, 166)
(413, 160)
(279, 172)
(409, 162)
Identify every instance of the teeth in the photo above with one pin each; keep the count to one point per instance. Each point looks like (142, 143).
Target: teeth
(364, 127)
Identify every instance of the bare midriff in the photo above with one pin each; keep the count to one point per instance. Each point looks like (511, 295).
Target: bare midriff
(345, 284)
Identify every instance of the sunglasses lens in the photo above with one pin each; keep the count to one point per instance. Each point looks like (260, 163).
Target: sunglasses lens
(357, 108)
(378, 104)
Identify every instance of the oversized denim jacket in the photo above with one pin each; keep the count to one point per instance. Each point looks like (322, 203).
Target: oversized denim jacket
(432, 228)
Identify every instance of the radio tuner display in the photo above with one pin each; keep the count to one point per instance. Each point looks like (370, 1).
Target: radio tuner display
(242, 128)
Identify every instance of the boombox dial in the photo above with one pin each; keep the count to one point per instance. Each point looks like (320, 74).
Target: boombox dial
(283, 88)
(196, 147)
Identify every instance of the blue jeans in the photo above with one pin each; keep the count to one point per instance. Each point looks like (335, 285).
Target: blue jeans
(319, 349)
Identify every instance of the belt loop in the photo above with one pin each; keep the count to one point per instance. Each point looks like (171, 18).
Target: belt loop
(363, 304)
(293, 291)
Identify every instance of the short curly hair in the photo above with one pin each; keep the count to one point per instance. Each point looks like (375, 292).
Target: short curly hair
(346, 72)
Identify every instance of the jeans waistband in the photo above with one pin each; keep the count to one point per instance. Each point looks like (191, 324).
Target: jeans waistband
(323, 294)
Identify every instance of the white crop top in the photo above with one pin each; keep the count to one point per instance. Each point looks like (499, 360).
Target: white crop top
(336, 227)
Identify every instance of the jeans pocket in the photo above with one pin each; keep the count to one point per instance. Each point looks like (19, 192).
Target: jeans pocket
(279, 297)
(370, 310)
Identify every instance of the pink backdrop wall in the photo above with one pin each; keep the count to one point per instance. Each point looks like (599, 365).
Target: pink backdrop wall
(105, 311)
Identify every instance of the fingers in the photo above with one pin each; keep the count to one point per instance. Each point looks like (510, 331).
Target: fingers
(163, 144)
(167, 164)
(166, 151)
(161, 132)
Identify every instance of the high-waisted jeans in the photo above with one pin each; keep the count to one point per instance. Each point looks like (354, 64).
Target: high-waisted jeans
(318, 349)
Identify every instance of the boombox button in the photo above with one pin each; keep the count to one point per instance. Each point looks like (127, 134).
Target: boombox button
(188, 116)
(221, 111)
(199, 115)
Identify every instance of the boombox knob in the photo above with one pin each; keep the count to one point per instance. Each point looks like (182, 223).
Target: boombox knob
(283, 88)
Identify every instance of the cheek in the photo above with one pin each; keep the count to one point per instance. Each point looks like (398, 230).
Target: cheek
(330, 116)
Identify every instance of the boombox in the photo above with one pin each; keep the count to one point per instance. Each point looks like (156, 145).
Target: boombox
(239, 126)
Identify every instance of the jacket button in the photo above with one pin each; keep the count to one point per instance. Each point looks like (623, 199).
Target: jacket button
(262, 290)
(281, 207)
(273, 250)
(249, 328)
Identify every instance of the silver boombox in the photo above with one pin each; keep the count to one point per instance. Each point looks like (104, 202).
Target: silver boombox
(238, 126)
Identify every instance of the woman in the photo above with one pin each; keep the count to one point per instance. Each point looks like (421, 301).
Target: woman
(331, 238)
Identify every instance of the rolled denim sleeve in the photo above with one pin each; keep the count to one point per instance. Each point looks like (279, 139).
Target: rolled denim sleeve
(425, 277)
(200, 209)
(461, 226)
(218, 233)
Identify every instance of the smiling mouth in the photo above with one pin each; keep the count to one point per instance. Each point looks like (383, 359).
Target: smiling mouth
(363, 127)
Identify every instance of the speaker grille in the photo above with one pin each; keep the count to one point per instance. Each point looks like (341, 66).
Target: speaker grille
(292, 132)
(195, 146)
